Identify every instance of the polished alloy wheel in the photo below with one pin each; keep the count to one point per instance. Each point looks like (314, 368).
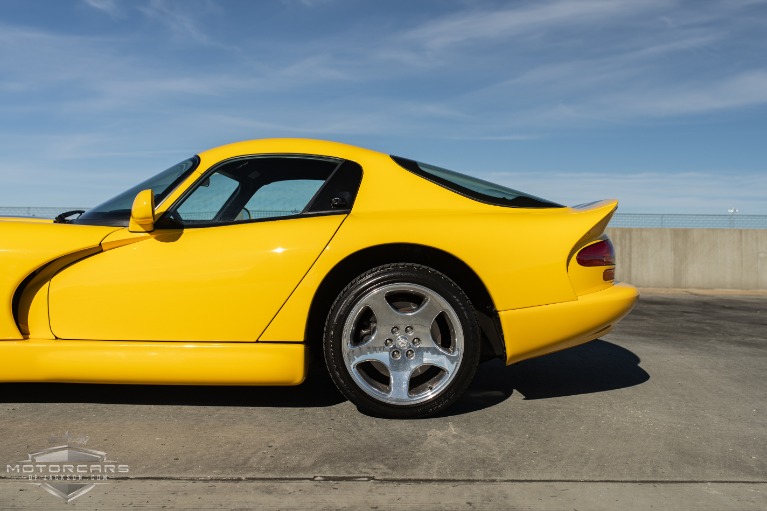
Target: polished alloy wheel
(402, 343)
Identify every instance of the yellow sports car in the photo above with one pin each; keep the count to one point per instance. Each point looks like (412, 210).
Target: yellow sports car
(239, 265)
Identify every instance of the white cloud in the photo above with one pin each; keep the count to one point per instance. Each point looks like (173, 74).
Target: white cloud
(181, 23)
(109, 7)
(506, 22)
(737, 91)
(559, 64)
(456, 77)
(308, 3)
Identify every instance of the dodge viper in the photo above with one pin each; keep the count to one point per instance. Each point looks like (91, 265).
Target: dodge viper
(240, 265)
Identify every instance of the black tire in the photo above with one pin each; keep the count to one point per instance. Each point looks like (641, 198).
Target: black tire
(402, 341)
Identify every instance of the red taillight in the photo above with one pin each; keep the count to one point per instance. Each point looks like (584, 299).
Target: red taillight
(600, 253)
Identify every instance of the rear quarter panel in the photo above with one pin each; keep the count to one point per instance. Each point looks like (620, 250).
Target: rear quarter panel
(521, 255)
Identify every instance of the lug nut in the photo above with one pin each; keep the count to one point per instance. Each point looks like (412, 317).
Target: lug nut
(410, 354)
(416, 342)
(395, 354)
(409, 330)
(395, 330)
(388, 343)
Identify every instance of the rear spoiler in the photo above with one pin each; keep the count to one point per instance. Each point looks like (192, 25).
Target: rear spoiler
(593, 218)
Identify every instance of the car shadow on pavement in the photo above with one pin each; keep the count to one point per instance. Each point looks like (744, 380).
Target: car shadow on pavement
(597, 366)
(317, 391)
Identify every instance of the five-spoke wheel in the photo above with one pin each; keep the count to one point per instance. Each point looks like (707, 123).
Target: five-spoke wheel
(402, 341)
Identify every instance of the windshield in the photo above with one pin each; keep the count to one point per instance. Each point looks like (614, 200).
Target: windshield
(116, 211)
(477, 189)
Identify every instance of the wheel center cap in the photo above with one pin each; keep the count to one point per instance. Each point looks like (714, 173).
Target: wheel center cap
(402, 341)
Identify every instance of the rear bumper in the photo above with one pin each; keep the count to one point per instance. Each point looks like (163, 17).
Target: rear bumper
(535, 331)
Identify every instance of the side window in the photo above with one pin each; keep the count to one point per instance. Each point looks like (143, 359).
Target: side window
(282, 198)
(260, 187)
(208, 198)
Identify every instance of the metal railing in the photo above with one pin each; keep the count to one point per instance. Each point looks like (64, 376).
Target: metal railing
(33, 211)
(734, 221)
(672, 221)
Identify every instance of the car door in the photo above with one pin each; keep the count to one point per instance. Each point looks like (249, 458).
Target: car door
(220, 263)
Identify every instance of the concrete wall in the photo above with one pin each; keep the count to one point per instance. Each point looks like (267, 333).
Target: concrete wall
(691, 258)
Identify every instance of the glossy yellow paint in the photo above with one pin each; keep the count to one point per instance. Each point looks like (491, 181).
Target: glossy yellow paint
(32, 313)
(588, 279)
(285, 146)
(525, 265)
(33, 220)
(221, 283)
(536, 331)
(123, 237)
(515, 275)
(142, 213)
(125, 307)
(28, 246)
(33, 319)
(153, 362)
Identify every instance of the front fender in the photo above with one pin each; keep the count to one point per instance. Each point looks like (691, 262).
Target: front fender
(26, 247)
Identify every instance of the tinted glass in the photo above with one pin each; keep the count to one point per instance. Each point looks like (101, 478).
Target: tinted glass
(477, 189)
(283, 198)
(116, 211)
(208, 198)
(254, 188)
(340, 190)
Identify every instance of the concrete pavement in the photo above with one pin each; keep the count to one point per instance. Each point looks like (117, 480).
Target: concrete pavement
(667, 412)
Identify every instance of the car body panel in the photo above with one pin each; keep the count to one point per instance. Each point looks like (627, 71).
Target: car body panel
(536, 331)
(204, 284)
(153, 362)
(28, 219)
(32, 309)
(526, 267)
(27, 247)
(103, 304)
(396, 206)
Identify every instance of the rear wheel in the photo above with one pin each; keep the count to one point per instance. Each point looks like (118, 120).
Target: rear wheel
(402, 341)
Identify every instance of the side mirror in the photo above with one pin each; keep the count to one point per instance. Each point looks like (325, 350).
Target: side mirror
(142, 212)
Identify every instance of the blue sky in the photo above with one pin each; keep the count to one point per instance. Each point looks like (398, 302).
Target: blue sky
(661, 104)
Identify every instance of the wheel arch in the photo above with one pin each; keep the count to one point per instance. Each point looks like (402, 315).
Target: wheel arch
(492, 343)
